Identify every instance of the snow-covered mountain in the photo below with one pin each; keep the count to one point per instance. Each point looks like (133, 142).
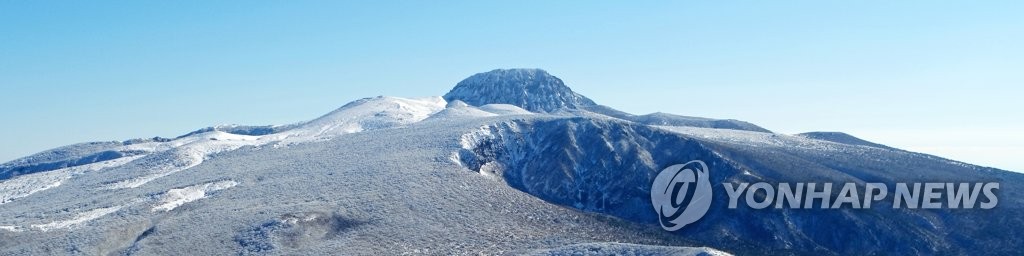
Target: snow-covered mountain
(508, 162)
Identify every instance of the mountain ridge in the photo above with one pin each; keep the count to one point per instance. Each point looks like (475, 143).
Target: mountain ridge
(441, 176)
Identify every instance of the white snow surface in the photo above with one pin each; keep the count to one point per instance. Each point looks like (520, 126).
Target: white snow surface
(180, 196)
(366, 114)
(460, 111)
(11, 228)
(505, 109)
(612, 248)
(77, 220)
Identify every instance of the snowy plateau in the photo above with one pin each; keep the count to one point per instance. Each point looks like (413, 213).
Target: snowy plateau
(509, 162)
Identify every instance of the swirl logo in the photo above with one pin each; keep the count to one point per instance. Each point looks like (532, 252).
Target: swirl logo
(681, 194)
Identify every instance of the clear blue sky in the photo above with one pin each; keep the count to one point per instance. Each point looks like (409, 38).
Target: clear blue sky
(932, 76)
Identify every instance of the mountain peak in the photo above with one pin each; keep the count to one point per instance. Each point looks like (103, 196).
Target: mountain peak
(531, 89)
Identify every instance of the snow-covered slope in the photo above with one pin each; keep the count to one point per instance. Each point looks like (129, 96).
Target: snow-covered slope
(607, 166)
(459, 109)
(65, 157)
(513, 162)
(839, 137)
(677, 120)
(163, 157)
(365, 114)
(387, 191)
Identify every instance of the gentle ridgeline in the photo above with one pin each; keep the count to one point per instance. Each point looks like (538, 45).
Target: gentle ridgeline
(509, 161)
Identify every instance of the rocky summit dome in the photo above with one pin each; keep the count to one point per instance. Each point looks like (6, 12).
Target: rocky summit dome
(531, 89)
